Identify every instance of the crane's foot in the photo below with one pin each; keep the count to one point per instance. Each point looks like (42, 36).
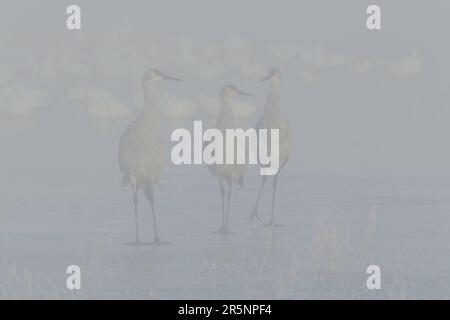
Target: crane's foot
(224, 230)
(157, 242)
(136, 243)
(253, 215)
(273, 224)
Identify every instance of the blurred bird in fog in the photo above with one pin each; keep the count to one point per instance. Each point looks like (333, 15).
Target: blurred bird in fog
(272, 119)
(227, 173)
(141, 151)
(19, 100)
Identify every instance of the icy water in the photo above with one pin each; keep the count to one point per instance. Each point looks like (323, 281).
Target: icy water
(57, 212)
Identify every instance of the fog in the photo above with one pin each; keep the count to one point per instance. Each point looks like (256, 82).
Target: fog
(370, 123)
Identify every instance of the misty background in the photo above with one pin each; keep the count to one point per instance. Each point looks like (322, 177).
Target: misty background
(369, 111)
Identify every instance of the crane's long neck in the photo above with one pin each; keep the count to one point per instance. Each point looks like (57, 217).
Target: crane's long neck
(226, 114)
(272, 103)
(149, 113)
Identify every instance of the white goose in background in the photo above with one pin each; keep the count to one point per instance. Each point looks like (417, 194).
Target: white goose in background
(141, 151)
(227, 173)
(272, 119)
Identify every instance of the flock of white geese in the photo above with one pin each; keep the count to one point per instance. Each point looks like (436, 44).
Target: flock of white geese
(141, 150)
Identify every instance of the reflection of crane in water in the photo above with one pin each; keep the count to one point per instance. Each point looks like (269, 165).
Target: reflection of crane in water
(141, 150)
(272, 119)
(228, 173)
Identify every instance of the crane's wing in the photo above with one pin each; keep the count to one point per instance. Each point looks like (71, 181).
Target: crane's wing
(140, 156)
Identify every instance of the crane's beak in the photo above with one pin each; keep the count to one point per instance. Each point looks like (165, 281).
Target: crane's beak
(166, 77)
(244, 93)
(265, 78)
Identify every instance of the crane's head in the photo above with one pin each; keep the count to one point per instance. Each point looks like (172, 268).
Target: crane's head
(154, 75)
(231, 91)
(274, 76)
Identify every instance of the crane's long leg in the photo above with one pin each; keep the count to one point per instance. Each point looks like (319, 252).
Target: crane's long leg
(222, 192)
(224, 229)
(227, 231)
(228, 204)
(150, 197)
(137, 241)
(272, 223)
(254, 213)
(275, 182)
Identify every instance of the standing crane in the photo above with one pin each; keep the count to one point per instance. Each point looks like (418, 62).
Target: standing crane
(227, 173)
(272, 119)
(141, 151)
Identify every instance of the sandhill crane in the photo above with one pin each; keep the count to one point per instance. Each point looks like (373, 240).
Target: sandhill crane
(228, 173)
(272, 119)
(141, 151)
